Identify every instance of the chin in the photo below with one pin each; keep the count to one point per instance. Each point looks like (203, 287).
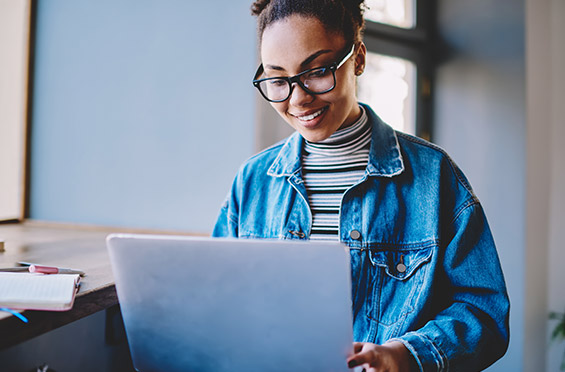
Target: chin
(315, 134)
(315, 137)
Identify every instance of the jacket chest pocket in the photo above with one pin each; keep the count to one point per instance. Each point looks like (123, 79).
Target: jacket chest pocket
(399, 279)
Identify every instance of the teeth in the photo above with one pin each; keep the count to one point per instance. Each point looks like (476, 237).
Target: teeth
(311, 116)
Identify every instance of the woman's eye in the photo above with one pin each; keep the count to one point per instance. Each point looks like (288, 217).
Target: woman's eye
(321, 72)
(277, 82)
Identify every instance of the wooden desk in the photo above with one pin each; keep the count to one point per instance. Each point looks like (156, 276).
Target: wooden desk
(80, 248)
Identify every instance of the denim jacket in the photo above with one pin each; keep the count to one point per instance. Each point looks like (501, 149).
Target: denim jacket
(424, 266)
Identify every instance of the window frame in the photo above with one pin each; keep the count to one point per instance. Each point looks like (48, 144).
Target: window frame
(17, 173)
(415, 45)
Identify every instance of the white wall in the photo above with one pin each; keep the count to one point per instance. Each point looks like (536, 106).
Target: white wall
(480, 121)
(545, 180)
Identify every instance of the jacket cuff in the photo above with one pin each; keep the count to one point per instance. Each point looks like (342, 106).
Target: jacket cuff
(427, 355)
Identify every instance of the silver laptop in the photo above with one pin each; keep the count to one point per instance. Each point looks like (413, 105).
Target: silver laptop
(205, 304)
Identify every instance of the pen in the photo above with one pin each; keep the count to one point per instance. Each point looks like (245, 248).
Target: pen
(26, 266)
(23, 263)
(53, 270)
(13, 269)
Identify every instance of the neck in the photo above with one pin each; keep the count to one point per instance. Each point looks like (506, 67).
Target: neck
(353, 116)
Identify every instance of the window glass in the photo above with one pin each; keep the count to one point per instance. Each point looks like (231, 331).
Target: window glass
(388, 85)
(399, 13)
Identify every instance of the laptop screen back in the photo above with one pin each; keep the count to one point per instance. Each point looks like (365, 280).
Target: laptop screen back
(205, 304)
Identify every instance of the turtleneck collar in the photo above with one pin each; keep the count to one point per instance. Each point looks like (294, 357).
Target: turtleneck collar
(343, 141)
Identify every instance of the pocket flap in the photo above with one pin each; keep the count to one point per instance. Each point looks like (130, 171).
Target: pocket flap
(400, 264)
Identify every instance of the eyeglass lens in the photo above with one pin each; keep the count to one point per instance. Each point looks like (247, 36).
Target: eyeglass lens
(318, 80)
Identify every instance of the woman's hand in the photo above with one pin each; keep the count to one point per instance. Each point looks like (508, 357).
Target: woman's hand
(389, 357)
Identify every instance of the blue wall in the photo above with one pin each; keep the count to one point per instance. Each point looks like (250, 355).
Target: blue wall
(480, 119)
(142, 110)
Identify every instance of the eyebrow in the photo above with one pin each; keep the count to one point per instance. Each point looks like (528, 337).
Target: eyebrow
(304, 63)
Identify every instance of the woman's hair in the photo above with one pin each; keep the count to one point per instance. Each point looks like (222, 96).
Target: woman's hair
(342, 16)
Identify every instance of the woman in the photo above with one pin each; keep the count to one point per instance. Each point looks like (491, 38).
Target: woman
(428, 291)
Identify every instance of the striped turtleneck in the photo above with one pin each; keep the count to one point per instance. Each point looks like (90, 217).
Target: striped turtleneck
(329, 168)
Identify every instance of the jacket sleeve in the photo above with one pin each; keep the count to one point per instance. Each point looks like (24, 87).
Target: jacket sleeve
(226, 226)
(472, 330)
(227, 222)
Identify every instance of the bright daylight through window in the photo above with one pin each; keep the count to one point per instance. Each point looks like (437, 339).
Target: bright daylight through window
(388, 86)
(399, 13)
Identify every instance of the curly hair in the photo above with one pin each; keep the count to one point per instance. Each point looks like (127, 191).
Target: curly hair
(342, 16)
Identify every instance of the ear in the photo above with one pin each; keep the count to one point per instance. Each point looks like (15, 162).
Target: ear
(360, 59)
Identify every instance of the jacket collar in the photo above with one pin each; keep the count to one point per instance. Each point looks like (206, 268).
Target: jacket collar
(385, 158)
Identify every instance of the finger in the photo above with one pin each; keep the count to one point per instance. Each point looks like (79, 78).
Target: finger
(358, 360)
(368, 356)
(360, 369)
(358, 346)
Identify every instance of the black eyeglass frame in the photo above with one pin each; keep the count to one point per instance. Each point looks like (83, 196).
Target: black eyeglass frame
(296, 78)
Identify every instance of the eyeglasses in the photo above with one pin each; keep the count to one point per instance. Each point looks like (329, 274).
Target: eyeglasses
(317, 80)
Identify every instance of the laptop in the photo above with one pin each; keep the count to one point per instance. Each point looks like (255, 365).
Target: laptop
(237, 305)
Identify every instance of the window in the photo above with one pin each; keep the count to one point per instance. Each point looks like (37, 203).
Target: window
(397, 77)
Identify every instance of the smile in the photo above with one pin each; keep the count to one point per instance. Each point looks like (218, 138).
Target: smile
(311, 116)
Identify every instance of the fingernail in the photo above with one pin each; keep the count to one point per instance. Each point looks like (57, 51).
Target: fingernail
(351, 364)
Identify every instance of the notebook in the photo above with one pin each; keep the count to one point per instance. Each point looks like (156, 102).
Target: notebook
(26, 291)
(205, 304)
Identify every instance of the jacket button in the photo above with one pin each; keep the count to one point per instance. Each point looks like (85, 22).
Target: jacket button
(401, 267)
(355, 235)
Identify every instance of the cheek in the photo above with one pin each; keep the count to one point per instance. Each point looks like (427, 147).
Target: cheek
(347, 82)
(343, 94)
(349, 87)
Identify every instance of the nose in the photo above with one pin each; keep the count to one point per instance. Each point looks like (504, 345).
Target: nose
(299, 97)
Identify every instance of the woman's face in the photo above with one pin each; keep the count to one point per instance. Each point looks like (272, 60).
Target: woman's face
(298, 43)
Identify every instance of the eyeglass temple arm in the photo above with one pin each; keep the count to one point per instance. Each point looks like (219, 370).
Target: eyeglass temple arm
(346, 57)
(258, 72)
